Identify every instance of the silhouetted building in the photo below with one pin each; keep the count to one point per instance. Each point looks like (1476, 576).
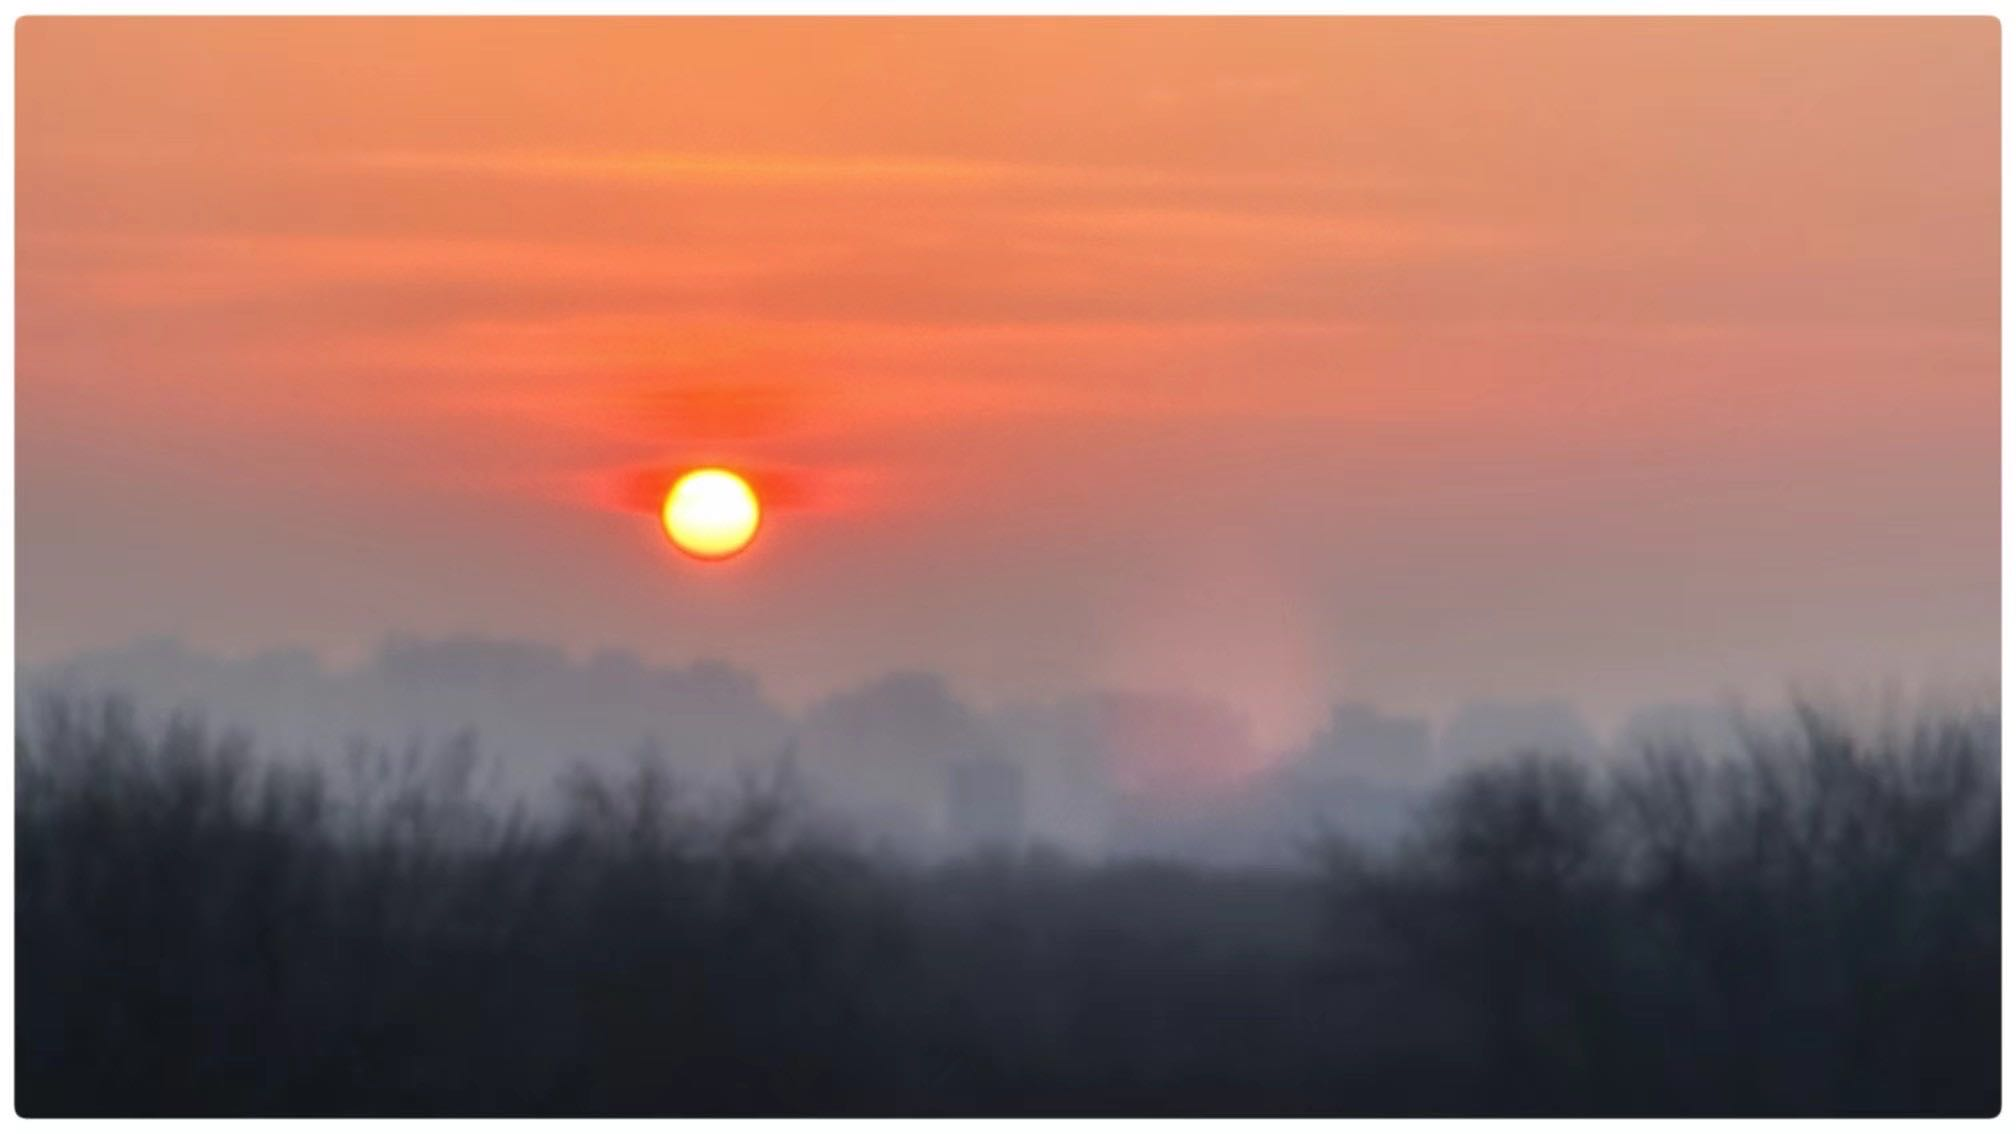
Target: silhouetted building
(1491, 730)
(1361, 740)
(984, 802)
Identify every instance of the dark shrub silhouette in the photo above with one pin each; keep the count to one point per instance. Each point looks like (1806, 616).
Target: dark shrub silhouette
(1809, 925)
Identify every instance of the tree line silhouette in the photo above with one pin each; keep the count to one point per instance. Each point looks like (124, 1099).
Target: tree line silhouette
(1807, 923)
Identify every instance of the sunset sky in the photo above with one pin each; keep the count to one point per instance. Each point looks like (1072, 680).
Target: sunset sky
(1289, 360)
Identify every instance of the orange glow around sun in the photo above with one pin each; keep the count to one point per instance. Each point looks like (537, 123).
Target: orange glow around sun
(711, 513)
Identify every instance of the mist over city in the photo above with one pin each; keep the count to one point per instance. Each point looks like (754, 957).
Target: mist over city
(901, 762)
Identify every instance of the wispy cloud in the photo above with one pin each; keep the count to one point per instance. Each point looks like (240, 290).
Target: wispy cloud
(784, 169)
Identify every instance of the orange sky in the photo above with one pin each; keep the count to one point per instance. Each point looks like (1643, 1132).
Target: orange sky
(1406, 359)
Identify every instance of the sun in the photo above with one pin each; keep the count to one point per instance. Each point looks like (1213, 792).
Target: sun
(711, 513)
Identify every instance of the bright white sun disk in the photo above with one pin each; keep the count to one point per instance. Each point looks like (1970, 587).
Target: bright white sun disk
(711, 513)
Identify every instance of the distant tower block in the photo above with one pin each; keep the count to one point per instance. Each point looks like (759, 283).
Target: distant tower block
(984, 806)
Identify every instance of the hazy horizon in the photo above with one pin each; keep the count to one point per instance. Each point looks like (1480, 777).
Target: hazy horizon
(1101, 771)
(1604, 719)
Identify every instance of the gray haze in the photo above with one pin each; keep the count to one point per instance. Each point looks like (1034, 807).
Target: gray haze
(903, 761)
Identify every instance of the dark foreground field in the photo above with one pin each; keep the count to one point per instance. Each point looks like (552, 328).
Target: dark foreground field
(1808, 926)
